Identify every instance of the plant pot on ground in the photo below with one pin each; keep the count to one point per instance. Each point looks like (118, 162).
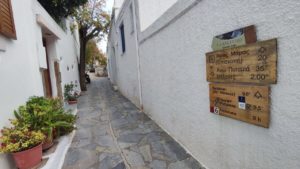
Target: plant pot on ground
(70, 94)
(28, 158)
(48, 143)
(46, 115)
(72, 100)
(24, 145)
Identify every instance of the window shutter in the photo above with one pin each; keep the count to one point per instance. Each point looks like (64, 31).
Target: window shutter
(7, 26)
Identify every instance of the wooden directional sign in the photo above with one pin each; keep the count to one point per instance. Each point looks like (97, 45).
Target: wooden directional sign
(234, 38)
(254, 63)
(245, 103)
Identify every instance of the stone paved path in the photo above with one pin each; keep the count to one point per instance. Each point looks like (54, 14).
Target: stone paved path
(113, 134)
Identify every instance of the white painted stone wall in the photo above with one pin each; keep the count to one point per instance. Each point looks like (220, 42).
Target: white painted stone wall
(19, 64)
(151, 10)
(175, 91)
(69, 57)
(117, 6)
(126, 62)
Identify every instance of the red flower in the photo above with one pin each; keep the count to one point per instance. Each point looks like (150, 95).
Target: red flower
(3, 145)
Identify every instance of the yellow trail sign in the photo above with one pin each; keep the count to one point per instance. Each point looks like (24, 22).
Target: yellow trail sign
(254, 63)
(245, 103)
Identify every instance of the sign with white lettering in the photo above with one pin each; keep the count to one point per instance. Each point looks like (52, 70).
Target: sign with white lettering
(254, 63)
(235, 38)
(245, 103)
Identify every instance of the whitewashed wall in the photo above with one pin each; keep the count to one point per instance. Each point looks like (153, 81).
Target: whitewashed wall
(112, 60)
(20, 62)
(69, 58)
(150, 11)
(127, 62)
(175, 91)
(117, 6)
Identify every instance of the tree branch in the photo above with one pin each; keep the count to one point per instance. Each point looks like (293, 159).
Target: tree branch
(93, 33)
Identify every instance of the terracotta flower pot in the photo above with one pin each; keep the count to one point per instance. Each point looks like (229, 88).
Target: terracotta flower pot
(48, 143)
(72, 101)
(55, 133)
(28, 158)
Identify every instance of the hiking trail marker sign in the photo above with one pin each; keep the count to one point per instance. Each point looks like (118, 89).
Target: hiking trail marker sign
(245, 103)
(234, 38)
(253, 63)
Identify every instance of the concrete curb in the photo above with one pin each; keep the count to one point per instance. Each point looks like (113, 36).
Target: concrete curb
(56, 159)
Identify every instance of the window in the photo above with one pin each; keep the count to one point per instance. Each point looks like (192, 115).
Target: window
(132, 18)
(7, 26)
(122, 38)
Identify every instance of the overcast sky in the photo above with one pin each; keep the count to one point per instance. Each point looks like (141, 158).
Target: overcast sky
(109, 5)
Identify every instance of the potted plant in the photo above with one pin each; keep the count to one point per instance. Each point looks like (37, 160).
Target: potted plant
(66, 123)
(43, 114)
(70, 94)
(24, 145)
(36, 115)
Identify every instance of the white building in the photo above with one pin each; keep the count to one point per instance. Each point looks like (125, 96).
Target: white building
(37, 59)
(156, 55)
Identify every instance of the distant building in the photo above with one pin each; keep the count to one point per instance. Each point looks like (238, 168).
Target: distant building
(156, 57)
(37, 57)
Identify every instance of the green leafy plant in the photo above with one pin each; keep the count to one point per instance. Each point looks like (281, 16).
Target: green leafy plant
(68, 125)
(60, 9)
(93, 53)
(70, 94)
(44, 114)
(19, 139)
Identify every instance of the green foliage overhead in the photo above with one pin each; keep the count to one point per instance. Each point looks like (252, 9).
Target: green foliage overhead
(94, 53)
(93, 21)
(59, 9)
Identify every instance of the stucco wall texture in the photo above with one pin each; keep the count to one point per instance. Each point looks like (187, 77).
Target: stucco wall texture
(127, 69)
(20, 72)
(175, 90)
(150, 11)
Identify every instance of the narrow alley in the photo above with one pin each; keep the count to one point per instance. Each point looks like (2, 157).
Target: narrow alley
(113, 134)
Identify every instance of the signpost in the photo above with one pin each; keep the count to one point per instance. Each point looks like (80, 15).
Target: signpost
(246, 103)
(235, 38)
(254, 63)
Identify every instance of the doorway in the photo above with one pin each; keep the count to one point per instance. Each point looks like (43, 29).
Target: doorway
(46, 75)
(58, 79)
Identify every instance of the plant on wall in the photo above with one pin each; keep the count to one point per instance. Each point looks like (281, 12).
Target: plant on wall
(70, 94)
(59, 9)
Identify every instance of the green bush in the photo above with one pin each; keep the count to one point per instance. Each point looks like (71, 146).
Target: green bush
(70, 94)
(46, 115)
(60, 9)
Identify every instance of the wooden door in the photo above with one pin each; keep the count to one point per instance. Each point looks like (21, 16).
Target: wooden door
(58, 80)
(46, 74)
(47, 83)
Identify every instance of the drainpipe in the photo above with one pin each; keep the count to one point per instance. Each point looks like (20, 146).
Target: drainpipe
(138, 52)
